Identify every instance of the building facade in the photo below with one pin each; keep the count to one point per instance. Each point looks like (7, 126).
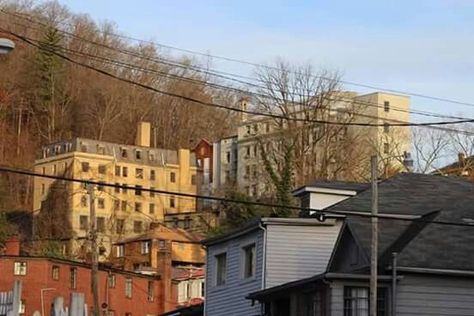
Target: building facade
(120, 211)
(263, 255)
(174, 254)
(243, 153)
(44, 279)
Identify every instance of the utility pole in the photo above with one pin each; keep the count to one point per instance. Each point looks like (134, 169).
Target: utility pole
(374, 244)
(94, 252)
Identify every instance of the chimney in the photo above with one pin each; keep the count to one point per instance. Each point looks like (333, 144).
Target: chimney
(461, 159)
(12, 247)
(166, 272)
(243, 105)
(143, 134)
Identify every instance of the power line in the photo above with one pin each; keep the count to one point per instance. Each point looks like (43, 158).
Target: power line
(258, 65)
(229, 200)
(162, 60)
(215, 105)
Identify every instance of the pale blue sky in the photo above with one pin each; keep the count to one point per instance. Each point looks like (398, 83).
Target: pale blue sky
(419, 46)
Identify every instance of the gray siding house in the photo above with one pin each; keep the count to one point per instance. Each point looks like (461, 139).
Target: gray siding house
(426, 267)
(263, 254)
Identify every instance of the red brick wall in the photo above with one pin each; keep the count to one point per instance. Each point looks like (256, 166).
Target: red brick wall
(39, 276)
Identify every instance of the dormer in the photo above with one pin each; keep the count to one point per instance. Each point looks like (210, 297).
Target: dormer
(322, 194)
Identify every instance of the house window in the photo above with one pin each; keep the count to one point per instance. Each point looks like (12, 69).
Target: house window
(55, 272)
(151, 208)
(120, 251)
(117, 187)
(101, 149)
(84, 201)
(145, 247)
(83, 222)
(249, 261)
(386, 106)
(101, 203)
(100, 224)
(187, 222)
(124, 188)
(162, 244)
(138, 207)
(72, 278)
(386, 148)
(85, 166)
(172, 202)
(221, 266)
(139, 173)
(193, 179)
(150, 291)
(119, 226)
(55, 169)
(356, 301)
(111, 279)
(172, 177)
(386, 127)
(138, 190)
(102, 169)
(152, 194)
(152, 175)
(125, 172)
(22, 307)
(116, 205)
(100, 186)
(19, 268)
(123, 205)
(138, 154)
(43, 188)
(137, 226)
(117, 171)
(128, 287)
(151, 156)
(124, 152)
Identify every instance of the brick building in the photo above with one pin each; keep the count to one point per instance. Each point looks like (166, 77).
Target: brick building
(43, 279)
(175, 254)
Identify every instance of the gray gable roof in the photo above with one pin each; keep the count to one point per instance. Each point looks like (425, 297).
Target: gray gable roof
(434, 246)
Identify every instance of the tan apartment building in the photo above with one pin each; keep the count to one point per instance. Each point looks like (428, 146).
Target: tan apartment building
(120, 212)
(387, 141)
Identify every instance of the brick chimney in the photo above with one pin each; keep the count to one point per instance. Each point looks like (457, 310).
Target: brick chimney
(165, 269)
(12, 247)
(143, 134)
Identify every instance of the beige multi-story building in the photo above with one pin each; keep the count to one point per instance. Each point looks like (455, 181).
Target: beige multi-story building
(120, 212)
(389, 142)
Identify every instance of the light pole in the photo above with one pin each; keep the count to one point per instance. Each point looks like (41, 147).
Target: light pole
(408, 164)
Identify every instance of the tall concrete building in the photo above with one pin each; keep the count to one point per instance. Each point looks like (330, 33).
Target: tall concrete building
(240, 158)
(120, 212)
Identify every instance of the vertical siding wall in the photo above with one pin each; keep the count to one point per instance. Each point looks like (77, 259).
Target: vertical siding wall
(297, 252)
(229, 299)
(435, 295)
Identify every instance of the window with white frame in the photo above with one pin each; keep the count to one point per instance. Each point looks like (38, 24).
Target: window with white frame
(248, 261)
(128, 287)
(357, 301)
(120, 250)
(19, 268)
(221, 268)
(145, 246)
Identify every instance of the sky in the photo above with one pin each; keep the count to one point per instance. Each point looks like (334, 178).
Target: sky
(420, 46)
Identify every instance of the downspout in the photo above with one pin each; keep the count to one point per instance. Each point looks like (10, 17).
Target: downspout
(394, 284)
(264, 260)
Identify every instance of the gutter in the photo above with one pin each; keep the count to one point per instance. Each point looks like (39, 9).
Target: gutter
(436, 271)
